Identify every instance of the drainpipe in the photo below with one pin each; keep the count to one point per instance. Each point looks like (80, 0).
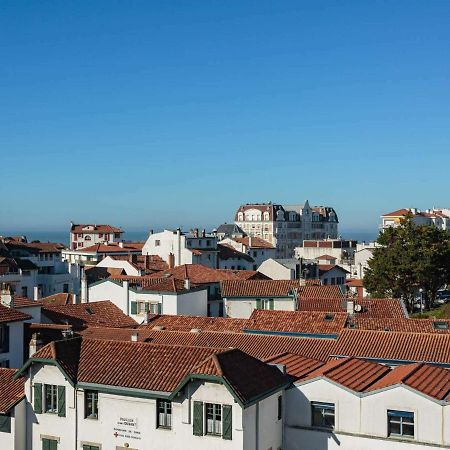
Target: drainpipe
(76, 417)
(126, 289)
(257, 427)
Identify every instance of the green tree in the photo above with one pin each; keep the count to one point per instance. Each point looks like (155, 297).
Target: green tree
(410, 257)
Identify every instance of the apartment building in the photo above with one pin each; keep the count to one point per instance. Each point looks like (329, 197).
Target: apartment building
(86, 235)
(286, 226)
(438, 217)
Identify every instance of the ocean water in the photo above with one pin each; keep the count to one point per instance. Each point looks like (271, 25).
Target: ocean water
(63, 236)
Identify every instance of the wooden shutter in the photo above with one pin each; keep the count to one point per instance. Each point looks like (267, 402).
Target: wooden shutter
(61, 401)
(133, 307)
(227, 425)
(271, 303)
(198, 419)
(38, 398)
(5, 423)
(49, 444)
(258, 303)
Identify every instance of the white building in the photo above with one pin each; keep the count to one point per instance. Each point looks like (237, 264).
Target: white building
(35, 269)
(341, 249)
(178, 248)
(154, 296)
(92, 394)
(289, 269)
(286, 226)
(438, 217)
(86, 235)
(258, 249)
(231, 258)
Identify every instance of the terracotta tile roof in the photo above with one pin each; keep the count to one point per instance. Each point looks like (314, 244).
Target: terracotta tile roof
(397, 346)
(47, 247)
(328, 257)
(247, 376)
(431, 380)
(398, 213)
(199, 274)
(160, 368)
(256, 242)
(374, 307)
(323, 268)
(276, 288)
(297, 366)
(187, 323)
(408, 325)
(96, 273)
(152, 284)
(11, 390)
(96, 229)
(243, 274)
(111, 248)
(228, 252)
(101, 313)
(59, 299)
(24, 302)
(312, 322)
(12, 315)
(148, 263)
(355, 374)
(355, 282)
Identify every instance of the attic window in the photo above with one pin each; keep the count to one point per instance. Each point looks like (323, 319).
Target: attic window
(329, 316)
(89, 311)
(440, 325)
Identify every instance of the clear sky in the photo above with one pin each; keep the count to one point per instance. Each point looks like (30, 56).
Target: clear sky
(151, 113)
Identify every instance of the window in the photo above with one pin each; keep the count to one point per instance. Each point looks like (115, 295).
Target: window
(141, 307)
(157, 243)
(208, 243)
(4, 338)
(51, 398)
(280, 407)
(266, 303)
(164, 414)
(440, 325)
(90, 447)
(400, 423)
(213, 419)
(116, 235)
(49, 444)
(329, 317)
(91, 404)
(87, 238)
(322, 415)
(24, 291)
(5, 423)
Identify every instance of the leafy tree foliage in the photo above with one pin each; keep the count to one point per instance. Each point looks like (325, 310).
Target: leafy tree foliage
(410, 257)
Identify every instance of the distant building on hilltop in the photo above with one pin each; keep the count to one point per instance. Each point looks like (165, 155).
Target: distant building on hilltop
(88, 235)
(286, 226)
(439, 217)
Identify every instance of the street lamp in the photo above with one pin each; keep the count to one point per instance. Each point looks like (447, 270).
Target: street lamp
(421, 299)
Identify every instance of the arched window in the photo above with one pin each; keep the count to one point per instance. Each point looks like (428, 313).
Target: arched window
(87, 238)
(240, 217)
(266, 216)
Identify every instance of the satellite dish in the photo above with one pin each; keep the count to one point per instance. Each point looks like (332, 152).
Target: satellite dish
(358, 308)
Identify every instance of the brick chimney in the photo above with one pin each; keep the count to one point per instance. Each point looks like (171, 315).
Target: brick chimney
(147, 261)
(35, 344)
(171, 261)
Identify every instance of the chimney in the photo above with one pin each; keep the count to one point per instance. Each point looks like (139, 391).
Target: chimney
(171, 261)
(35, 344)
(147, 261)
(350, 307)
(84, 289)
(132, 257)
(36, 293)
(134, 336)
(249, 241)
(6, 296)
(203, 232)
(121, 244)
(196, 232)
(187, 284)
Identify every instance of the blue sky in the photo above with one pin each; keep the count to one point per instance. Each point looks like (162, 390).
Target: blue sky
(163, 113)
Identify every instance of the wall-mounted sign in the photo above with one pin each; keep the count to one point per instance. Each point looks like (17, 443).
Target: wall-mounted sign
(127, 427)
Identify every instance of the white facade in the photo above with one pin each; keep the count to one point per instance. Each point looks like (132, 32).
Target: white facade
(361, 419)
(259, 254)
(129, 268)
(286, 226)
(242, 308)
(133, 301)
(12, 354)
(438, 217)
(15, 439)
(276, 270)
(87, 235)
(177, 248)
(130, 422)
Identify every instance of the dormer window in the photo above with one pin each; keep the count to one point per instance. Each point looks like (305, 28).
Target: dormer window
(440, 325)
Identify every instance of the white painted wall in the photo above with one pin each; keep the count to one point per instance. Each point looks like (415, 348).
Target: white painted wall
(276, 271)
(242, 308)
(120, 264)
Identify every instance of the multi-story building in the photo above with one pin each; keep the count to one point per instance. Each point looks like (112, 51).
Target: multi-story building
(439, 217)
(178, 248)
(87, 235)
(287, 226)
(35, 269)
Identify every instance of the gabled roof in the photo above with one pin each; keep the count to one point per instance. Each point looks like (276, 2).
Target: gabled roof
(96, 229)
(355, 374)
(12, 315)
(101, 313)
(60, 299)
(431, 380)
(296, 322)
(402, 324)
(398, 213)
(159, 369)
(256, 242)
(226, 251)
(12, 390)
(297, 366)
(25, 302)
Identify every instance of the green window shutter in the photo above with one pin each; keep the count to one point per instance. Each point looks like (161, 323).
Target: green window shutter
(147, 307)
(38, 398)
(271, 303)
(198, 419)
(133, 307)
(159, 308)
(61, 401)
(227, 426)
(258, 303)
(5, 423)
(90, 447)
(49, 444)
